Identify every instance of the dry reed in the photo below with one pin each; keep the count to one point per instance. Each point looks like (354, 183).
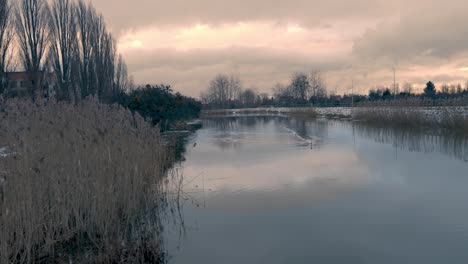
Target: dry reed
(449, 118)
(81, 184)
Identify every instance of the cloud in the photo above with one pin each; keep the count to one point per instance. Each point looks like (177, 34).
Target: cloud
(136, 14)
(186, 43)
(191, 71)
(291, 37)
(441, 35)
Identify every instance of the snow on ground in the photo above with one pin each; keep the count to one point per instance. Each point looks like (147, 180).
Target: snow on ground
(435, 114)
(345, 112)
(430, 113)
(4, 152)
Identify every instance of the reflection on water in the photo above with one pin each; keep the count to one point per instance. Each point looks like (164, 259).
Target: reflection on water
(278, 190)
(455, 145)
(232, 131)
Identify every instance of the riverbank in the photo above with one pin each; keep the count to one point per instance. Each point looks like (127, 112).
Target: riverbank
(451, 118)
(81, 183)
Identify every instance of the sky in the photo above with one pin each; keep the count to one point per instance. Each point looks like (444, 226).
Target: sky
(186, 43)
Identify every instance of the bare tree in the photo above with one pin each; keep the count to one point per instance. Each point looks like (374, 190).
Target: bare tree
(64, 43)
(445, 88)
(408, 88)
(32, 29)
(121, 75)
(83, 54)
(300, 86)
(459, 88)
(248, 98)
(104, 53)
(235, 87)
(453, 89)
(223, 91)
(317, 84)
(6, 36)
(96, 54)
(218, 91)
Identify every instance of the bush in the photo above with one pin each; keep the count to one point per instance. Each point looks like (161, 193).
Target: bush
(160, 105)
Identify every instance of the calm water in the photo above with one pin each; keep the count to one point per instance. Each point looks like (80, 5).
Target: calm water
(278, 190)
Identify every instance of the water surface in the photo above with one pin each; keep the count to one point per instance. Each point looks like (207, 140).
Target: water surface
(276, 190)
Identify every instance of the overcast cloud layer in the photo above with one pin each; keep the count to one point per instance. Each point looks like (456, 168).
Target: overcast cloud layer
(186, 43)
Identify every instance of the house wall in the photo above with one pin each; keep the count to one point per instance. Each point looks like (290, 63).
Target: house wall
(23, 83)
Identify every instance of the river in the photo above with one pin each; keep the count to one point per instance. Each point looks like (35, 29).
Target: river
(270, 189)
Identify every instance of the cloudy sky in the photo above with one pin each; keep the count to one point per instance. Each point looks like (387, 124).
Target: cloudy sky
(187, 42)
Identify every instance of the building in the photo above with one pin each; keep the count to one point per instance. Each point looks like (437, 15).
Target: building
(28, 83)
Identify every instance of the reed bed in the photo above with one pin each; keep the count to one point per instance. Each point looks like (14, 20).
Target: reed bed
(80, 183)
(417, 102)
(302, 112)
(449, 118)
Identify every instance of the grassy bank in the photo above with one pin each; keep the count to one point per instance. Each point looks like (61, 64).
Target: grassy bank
(447, 118)
(80, 183)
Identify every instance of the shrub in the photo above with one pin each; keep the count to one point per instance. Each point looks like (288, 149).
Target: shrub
(160, 105)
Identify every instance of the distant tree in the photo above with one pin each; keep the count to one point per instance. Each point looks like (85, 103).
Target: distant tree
(373, 95)
(248, 98)
(235, 88)
(430, 90)
(453, 89)
(265, 99)
(408, 88)
(445, 88)
(300, 86)
(283, 95)
(387, 94)
(218, 91)
(317, 87)
(223, 91)
(459, 88)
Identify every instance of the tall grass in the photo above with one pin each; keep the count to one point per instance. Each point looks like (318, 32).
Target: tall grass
(81, 184)
(307, 112)
(417, 102)
(449, 118)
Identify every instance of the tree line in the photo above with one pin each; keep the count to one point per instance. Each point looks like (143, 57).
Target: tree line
(309, 89)
(226, 91)
(71, 37)
(67, 36)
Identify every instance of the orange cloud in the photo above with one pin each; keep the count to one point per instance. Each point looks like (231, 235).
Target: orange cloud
(269, 35)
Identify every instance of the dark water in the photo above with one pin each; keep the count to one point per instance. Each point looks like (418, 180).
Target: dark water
(274, 190)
